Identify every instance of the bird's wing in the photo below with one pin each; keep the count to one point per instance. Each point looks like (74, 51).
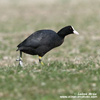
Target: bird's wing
(37, 39)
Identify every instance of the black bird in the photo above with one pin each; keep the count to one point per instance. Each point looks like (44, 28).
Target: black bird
(42, 41)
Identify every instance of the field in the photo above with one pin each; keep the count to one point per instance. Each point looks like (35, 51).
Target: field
(68, 70)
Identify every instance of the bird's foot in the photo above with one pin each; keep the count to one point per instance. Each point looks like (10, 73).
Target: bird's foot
(20, 62)
(42, 63)
(40, 60)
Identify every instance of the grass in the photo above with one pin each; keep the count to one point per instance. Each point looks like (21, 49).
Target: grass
(49, 82)
(70, 69)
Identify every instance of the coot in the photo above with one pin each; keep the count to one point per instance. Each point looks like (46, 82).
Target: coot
(42, 41)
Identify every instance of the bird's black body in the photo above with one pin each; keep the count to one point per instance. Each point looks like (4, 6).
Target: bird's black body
(40, 42)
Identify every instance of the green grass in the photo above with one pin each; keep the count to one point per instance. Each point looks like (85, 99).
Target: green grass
(69, 69)
(49, 82)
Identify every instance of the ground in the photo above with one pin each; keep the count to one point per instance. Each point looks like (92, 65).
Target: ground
(68, 70)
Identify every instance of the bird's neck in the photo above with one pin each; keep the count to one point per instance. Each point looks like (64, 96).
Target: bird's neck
(62, 33)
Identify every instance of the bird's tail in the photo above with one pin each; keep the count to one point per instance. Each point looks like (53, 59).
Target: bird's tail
(17, 49)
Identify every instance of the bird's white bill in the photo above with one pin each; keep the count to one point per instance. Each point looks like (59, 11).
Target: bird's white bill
(75, 32)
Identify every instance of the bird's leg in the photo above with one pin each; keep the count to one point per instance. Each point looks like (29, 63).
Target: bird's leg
(20, 60)
(40, 60)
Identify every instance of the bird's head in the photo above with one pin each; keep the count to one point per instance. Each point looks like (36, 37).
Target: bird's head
(71, 30)
(67, 30)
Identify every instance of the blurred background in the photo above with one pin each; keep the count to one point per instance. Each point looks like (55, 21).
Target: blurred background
(20, 18)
